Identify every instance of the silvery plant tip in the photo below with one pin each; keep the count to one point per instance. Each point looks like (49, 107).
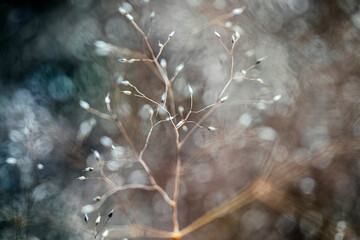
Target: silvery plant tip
(122, 11)
(223, 99)
(238, 11)
(277, 98)
(152, 15)
(179, 67)
(211, 129)
(129, 17)
(171, 34)
(84, 105)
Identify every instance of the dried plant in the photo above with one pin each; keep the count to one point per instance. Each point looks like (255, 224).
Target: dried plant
(270, 177)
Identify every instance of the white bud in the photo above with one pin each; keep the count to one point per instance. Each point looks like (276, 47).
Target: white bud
(111, 213)
(184, 128)
(163, 97)
(171, 34)
(151, 111)
(152, 15)
(223, 99)
(122, 60)
(243, 72)
(217, 34)
(40, 166)
(11, 161)
(161, 45)
(113, 147)
(181, 110)
(259, 80)
(169, 118)
(89, 169)
(191, 91)
(131, 60)
(125, 83)
(102, 48)
(84, 105)
(127, 93)
(82, 178)
(238, 11)
(233, 38)
(107, 99)
(179, 67)
(97, 198)
(180, 123)
(129, 17)
(260, 60)
(237, 35)
(277, 98)
(98, 219)
(122, 11)
(105, 233)
(97, 155)
(211, 129)
(163, 63)
(86, 218)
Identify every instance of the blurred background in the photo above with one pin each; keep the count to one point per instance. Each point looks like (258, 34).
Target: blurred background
(55, 53)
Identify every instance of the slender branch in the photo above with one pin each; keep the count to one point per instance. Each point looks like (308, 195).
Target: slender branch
(212, 109)
(176, 194)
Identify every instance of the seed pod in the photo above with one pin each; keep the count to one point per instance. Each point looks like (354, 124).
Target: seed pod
(233, 39)
(97, 155)
(163, 97)
(129, 17)
(171, 34)
(180, 123)
(122, 11)
(179, 68)
(163, 63)
(97, 221)
(277, 98)
(82, 178)
(84, 105)
(152, 15)
(259, 80)
(191, 91)
(105, 233)
(86, 218)
(223, 99)
(238, 11)
(181, 110)
(211, 129)
(97, 198)
(107, 98)
(125, 83)
(260, 60)
(111, 213)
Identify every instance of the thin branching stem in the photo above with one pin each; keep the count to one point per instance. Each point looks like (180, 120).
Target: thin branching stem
(212, 109)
